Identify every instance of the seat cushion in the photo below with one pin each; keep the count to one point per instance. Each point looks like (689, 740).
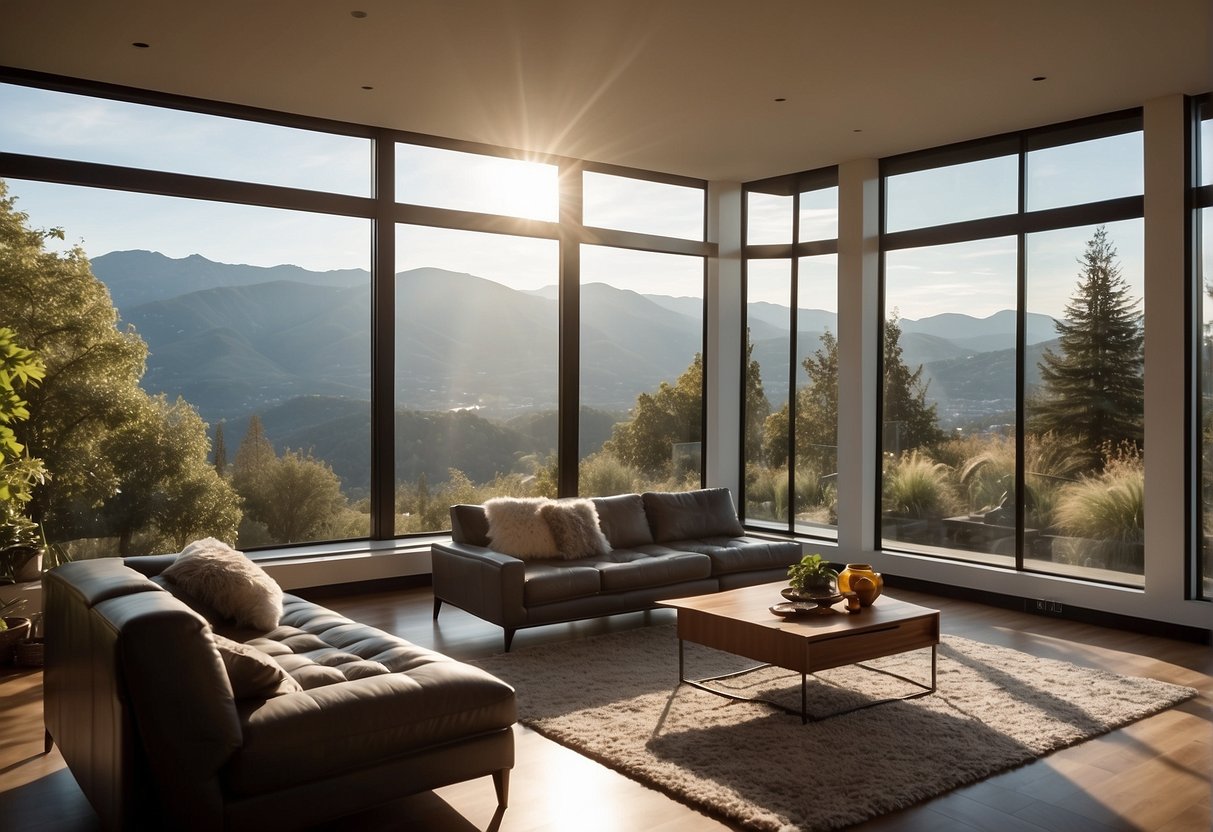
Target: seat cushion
(649, 566)
(686, 515)
(742, 554)
(549, 581)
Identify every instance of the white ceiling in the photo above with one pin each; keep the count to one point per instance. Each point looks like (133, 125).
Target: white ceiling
(682, 86)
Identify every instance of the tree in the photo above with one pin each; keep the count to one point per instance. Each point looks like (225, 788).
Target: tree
(911, 422)
(671, 415)
(89, 402)
(160, 457)
(301, 496)
(254, 458)
(1092, 388)
(220, 451)
(757, 406)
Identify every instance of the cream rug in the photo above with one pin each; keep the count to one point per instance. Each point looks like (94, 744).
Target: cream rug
(615, 698)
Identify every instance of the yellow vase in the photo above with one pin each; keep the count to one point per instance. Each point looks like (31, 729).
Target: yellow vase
(847, 577)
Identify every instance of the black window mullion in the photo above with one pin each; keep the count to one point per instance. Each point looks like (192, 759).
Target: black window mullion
(794, 333)
(383, 342)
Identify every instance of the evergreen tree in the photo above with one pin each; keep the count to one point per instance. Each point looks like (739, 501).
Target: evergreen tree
(1092, 388)
(220, 451)
(757, 406)
(909, 421)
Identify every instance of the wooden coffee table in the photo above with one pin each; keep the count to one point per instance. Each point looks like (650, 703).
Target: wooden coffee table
(739, 621)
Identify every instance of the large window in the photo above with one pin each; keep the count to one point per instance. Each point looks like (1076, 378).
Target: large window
(790, 401)
(1202, 267)
(277, 330)
(1012, 404)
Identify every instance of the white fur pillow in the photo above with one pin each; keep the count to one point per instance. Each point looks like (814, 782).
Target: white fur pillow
(229, 582)
(574, 525)
(516, 528)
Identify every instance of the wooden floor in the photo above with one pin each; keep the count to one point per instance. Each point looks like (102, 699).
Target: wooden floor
(1153, 775)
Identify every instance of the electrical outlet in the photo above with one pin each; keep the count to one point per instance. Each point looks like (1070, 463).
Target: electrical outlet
(1044, 606)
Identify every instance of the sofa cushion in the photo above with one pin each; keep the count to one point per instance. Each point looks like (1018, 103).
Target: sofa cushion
(546, 582)
(623, 521)
(742, 554)
(574, 526)
(253, 674)
(516, 528)
(469, 524)
(228, 582)
(626, 569)
(684, 515)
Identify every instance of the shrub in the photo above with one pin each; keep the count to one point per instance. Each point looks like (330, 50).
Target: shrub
(602, 474)
(917, 486)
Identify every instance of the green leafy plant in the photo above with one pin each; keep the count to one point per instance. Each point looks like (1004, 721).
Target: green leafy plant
(20, 536)
(9, 609)
(812, 571)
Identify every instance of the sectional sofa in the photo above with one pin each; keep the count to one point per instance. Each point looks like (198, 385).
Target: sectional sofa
(658, 545)
(174, 715)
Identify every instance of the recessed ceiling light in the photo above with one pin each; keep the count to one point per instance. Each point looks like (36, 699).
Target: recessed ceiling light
(857, 130)
(367, 87)
(358, 15)
(140, 44)
(1039, 77)
(781, 99)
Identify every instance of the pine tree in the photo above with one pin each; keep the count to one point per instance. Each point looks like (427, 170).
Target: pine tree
(1092, 388)
(911, 421)
(220, 451)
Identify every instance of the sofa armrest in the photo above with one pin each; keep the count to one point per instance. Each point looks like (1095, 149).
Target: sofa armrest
(486, 583)
(300, 737)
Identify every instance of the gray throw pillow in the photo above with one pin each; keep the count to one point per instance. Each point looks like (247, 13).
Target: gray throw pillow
(574, 525)
(253, 674)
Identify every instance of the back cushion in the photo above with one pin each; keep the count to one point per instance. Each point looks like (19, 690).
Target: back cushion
(623, 521)
(683, 515)
(469, 524)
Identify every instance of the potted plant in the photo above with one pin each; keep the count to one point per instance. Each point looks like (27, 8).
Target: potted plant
(12, 628)
(21, 539)
(813, 576)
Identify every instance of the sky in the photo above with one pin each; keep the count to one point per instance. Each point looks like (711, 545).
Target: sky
(975, 278)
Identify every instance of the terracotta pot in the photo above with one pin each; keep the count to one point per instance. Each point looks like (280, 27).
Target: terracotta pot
(866, 589)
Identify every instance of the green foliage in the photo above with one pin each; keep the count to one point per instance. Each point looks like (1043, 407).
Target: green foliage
(1105, 512)
(1092, 388)
(909, 421)
(816, 415)
(602, 474)
(19, 368)
(757, 406)
(660, 420)
(917, 486)
(812, 571)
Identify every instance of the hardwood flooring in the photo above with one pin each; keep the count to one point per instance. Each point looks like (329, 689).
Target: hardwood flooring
(1152, 776)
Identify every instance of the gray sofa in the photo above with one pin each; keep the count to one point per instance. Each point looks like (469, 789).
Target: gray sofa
(143, 701)
(663, 545)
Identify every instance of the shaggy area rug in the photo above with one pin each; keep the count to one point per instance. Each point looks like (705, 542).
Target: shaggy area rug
(615, 698)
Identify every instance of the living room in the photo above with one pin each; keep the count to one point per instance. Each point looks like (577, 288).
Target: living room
(783, 174)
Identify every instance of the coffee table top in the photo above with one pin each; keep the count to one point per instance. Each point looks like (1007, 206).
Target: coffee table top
(751, 605)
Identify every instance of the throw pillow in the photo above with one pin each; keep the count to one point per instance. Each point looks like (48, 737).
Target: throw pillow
(515, 528)
(229, 582)
(253, 674)
(574, 525)
(623, 520)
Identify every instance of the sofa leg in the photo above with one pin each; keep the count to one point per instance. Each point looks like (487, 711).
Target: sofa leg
(48, 742)
(509, 637)
(501, 781)
(437, 606)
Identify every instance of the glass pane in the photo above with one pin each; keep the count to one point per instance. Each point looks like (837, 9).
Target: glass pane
(1091, 171)
(949, 400)
(643, 206)
(817, 396)
(1084, 403)
(472, 182)
(1204, 276)
(67, 126)
(255, 324)
(768, 219)
(769, 331)
(1206, 152)
(641, 371)
(819, 215)
(476, 371)
(968, 191)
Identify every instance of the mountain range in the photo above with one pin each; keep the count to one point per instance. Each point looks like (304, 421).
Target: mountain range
(238, 339)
